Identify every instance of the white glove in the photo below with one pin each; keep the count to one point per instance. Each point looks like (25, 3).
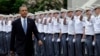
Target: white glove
(52, 39)
(67, 39)
(93, 43)
(74, 40)
(82, 40)
(44, 38)
(58, 40)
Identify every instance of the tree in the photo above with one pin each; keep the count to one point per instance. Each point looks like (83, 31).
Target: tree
(65, 4)
(16, 5)
(10, 6)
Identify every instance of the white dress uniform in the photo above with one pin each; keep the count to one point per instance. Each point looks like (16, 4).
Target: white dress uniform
(56, 27)
(89, 29)
(0, 25)
(89, 34)
(40, 26)
(1, 46)
(56, 31)
(50, 26)
(78, 25)
(49, 37)
(63, 28)
(8, 26)
(71, 29)
(71, 33)
(97, 24)
(3, 27)
(4, 41)
(97, 33)
(45, 25)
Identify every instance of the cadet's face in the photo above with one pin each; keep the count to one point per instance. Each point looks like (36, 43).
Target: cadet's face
(88, 12)
(70, 13)
(1, 17)
(56, 14)
(23, 11)
(97, 11)
(63, 14)
(78, 12)
(41, 15)
(50, 14)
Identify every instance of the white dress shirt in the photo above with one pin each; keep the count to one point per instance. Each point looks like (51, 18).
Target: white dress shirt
(45, 25)
(22, 21)
(8, 26)
(78, 25)
(63, 28)
(0, 25)
(49, 26)
(89, 29)
(71, 29)
(40, 26)
(97, 24)
(56, 26)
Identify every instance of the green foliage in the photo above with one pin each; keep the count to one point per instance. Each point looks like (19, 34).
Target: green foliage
(5, 6)
(16, 5)
(12, 6)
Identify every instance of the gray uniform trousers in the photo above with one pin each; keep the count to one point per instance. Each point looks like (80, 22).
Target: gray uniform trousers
(40, 49)
(71, 46)
(3, 43)
(56, 45)
(89, 46)
(78, 45)
(1, 46)
(63, 45)
(49, 45)
(97, 47)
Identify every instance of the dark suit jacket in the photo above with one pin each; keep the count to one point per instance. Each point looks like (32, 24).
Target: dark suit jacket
(21, 42)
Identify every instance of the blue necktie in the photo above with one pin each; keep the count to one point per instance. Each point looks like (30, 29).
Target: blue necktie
(25, 25)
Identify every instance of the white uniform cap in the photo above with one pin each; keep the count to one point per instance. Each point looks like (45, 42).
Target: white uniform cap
(70, 9)
(1, 15)
(10, 15)
(46, 12)
(63, 10)
(96, 6)
(56, 11)
(51, 11)
(30, 14)
(78, 9)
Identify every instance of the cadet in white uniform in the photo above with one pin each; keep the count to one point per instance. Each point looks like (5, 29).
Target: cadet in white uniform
(35, 42)
(50, 50)
(8, 28)
(41, 32)
(1, 38)
(97, 28)
(89, 31)
(71, 33)
(63, 32)
(79, 29)
(56, 31)
(40, 27)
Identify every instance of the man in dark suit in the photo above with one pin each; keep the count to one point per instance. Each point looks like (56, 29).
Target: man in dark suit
(21, 35)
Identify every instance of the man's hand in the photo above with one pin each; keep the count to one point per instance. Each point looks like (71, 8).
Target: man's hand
(12, 53)
(40, 42)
